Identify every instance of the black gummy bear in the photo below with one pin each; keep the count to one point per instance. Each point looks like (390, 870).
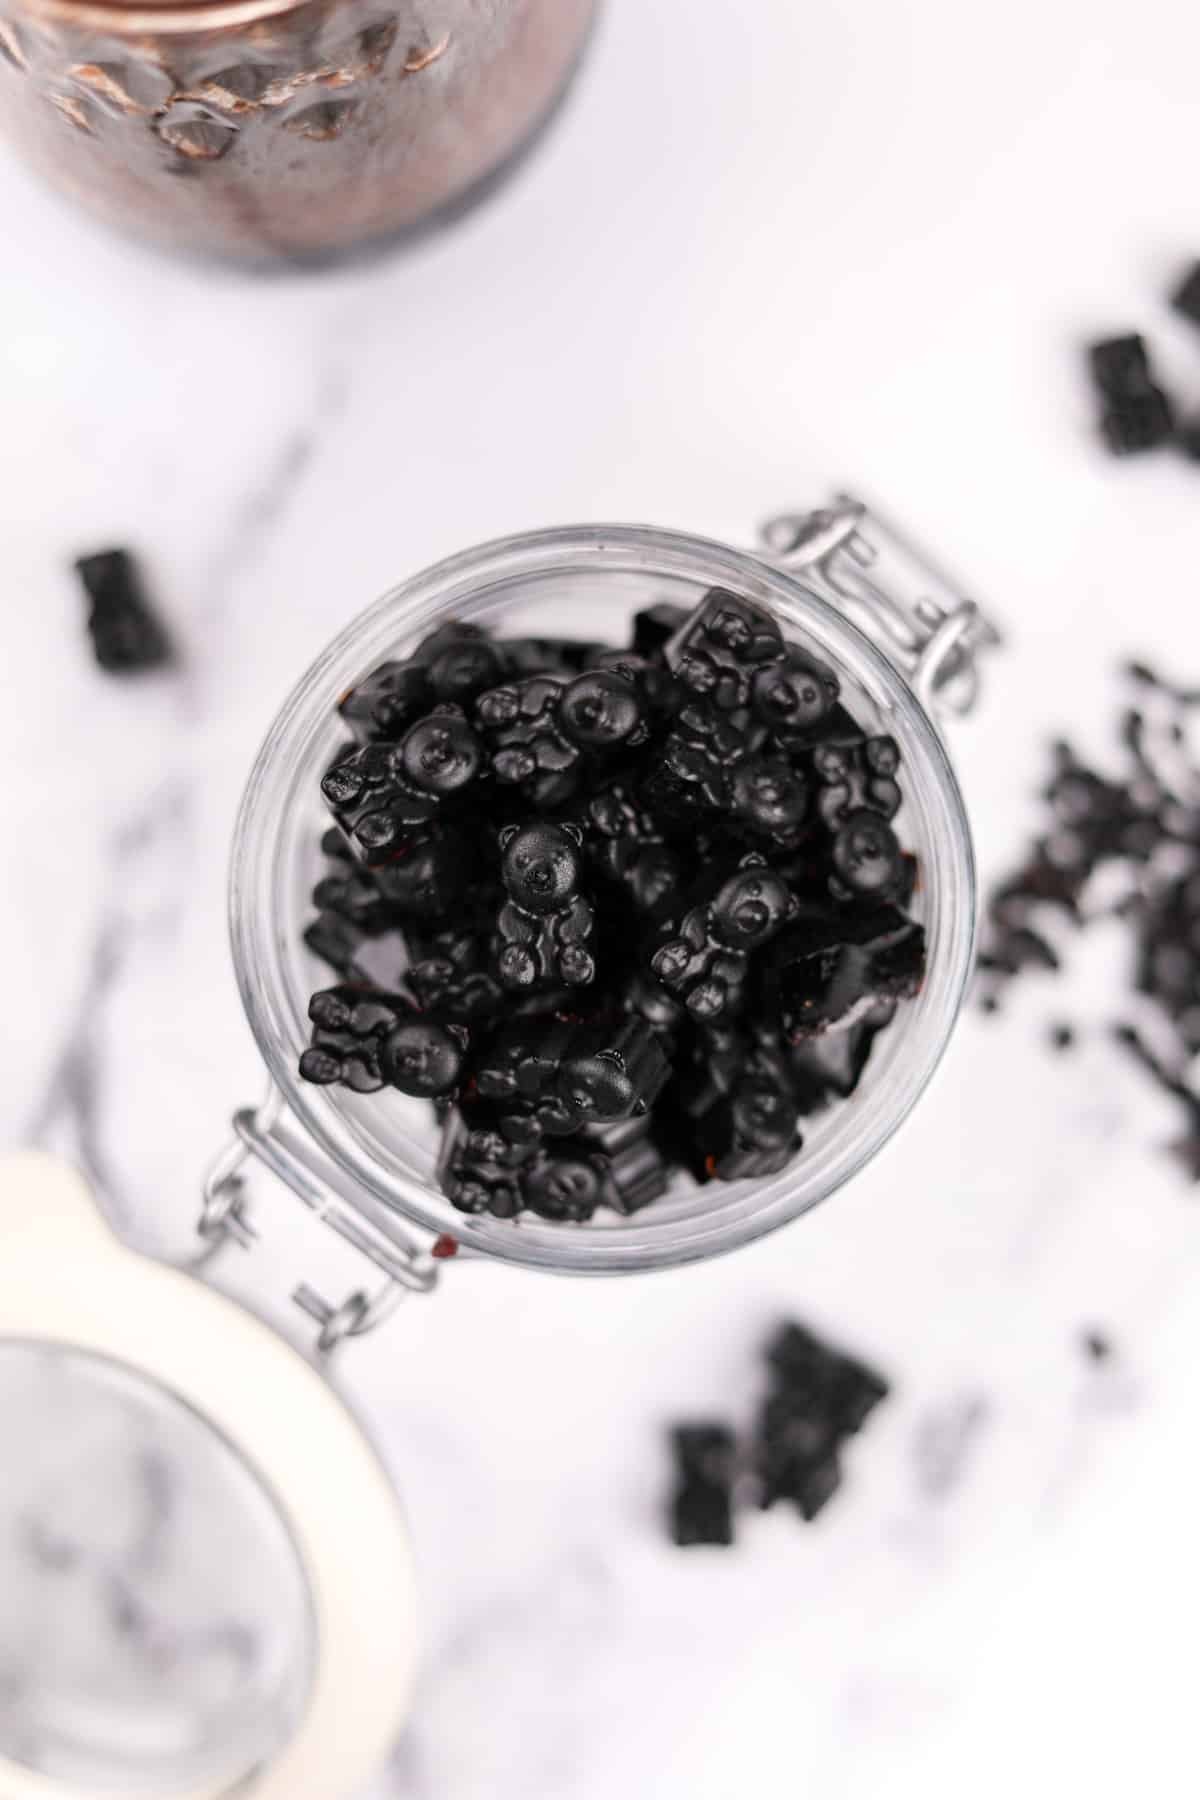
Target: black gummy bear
(349, 1027)
(628, 846)
(705, 963)
(1139, 422)
(544, 925)
(701, 1508)
(381, 793)
(794, 696)
(818, 1398)
(424, 1057)
(565, 1074)
(454, 664)
(855, 778)
(565, 1182)
(722, 646)
(127, 636)
(1121, 367)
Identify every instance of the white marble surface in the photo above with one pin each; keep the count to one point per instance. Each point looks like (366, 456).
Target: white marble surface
(818, 242)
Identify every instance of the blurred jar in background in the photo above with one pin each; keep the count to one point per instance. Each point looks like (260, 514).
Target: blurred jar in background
(266, 129)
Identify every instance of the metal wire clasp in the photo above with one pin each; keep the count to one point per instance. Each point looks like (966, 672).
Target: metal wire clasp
(862, 563)
(408, 1266)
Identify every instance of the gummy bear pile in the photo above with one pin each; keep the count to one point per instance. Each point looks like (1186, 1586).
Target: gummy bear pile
(615, 911)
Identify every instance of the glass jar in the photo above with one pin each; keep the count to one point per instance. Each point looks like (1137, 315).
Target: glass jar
(280, 128)
(181, 1425)
(588, 583)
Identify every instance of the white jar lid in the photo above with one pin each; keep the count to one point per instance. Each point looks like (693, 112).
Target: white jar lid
(208, 1581)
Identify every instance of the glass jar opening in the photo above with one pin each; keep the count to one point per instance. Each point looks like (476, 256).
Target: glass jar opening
(585, 582)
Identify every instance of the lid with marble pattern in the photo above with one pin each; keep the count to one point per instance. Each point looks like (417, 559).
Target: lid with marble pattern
(207, 1580)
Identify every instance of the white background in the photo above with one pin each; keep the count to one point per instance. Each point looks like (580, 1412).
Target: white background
(768, 248)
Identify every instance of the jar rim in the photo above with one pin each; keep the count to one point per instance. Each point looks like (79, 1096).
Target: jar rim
(411, 610)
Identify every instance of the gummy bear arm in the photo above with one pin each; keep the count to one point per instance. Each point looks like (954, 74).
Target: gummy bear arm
(516, 927)
(832, 803)
(728, 967)
(668, 953)
(554, 754)
(694, 929)
(576, 922)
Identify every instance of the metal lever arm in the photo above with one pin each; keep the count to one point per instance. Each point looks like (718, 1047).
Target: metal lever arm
(894, 591)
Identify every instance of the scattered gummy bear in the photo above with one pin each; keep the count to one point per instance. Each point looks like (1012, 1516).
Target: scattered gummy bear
(817, 1398)
(126, 634)
(1134, 823)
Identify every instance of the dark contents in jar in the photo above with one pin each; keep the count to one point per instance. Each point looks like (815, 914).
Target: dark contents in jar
(817, 1398)
(615, 911)
(1140, 824)
(127, 636)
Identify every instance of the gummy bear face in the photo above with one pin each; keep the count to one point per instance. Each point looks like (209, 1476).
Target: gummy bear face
(486, 1146)
(464, 668)
(741, 629)
(793, 695)
(832, 762)
(599, 710)
(769, 796)
(563, 1187)
(729, 626)
(697, 671)
(882, 755)
(866, 853)
(422, 1058)
(541, 868)
(763, 1118)
(595, 1089)
(751, 907)
(440, 754)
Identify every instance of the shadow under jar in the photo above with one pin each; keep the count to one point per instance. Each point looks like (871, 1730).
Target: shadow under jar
(379, 1151)
(266, 130)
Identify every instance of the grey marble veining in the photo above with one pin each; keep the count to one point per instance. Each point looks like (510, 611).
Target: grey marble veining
(155, 1617)
(750, 263)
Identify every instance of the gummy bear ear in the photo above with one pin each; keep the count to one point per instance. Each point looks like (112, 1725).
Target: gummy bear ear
(753, 859)
(507, 834)
(575, 833)
(612, 1056)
